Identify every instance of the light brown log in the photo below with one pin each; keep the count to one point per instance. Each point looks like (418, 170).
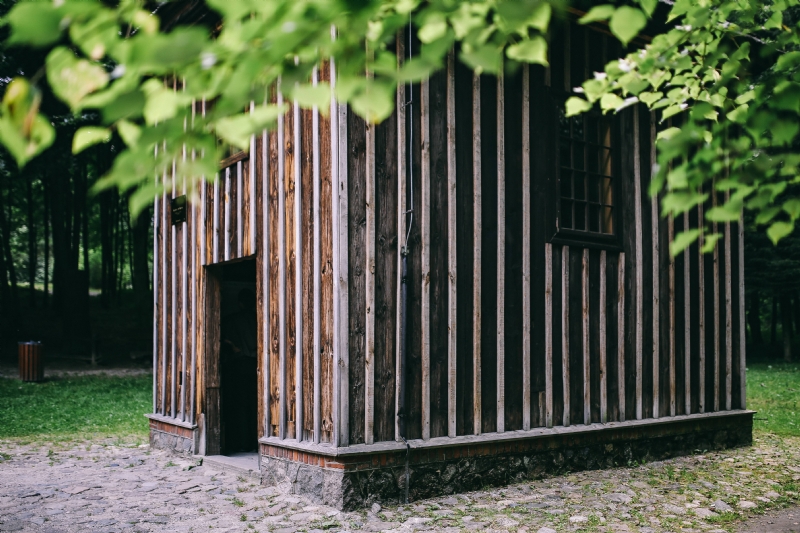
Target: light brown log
(526, 250)
(174, 307)
(477, 231)
(239, 210)
(501, 254)
(425, 259)
(548, 333)
(340, 200)
(228, 230)
(603, 324)
(299, 266)
(587, 385)
(282, 393)
(317, 244)
(156, 264)
(266, 258)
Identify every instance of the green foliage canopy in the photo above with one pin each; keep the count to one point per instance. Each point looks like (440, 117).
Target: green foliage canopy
(119, 62)
(726, 71)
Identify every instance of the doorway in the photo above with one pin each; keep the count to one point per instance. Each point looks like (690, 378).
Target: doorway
(238, 355)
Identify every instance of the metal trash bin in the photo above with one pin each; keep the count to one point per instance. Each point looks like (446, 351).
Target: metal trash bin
(31, 361)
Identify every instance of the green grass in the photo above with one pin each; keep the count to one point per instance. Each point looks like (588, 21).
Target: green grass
(76, 408)
(774, 391)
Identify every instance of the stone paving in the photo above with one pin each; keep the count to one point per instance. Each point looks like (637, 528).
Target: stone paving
(106, 487)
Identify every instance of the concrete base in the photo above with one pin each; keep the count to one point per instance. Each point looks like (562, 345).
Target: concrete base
(241, 464)
(356, 476)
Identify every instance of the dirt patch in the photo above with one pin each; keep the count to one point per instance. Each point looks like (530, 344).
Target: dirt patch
(778, 521)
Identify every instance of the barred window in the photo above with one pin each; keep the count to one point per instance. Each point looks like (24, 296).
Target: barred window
(588, 146)
(586, 172)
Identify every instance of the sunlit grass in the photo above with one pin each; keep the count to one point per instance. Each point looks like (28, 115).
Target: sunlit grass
(774, 391)
(77, 407)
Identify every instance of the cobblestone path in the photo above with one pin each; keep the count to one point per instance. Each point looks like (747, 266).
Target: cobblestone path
(107, 488)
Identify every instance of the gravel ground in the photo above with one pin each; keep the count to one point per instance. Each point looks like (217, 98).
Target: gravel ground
(107, 487)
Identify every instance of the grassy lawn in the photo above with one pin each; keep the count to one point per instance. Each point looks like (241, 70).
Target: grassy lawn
(91, 407)
(76, 408)
(773, 389)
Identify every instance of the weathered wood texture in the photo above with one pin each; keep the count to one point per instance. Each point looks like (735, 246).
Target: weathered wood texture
(510, 325)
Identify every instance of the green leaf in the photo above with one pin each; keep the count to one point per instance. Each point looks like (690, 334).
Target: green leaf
(375, 104)
(788, 60)
(610, 102)
(649, 6)
(722, 213)
(739, 114)
(129, 132)
(236, 130)
(483, 58)
(784, 131)
(597, 13)
(530, 51)
(779, 230)
(72, 78)
(767, 215)
(626, 23)
(576, 106)
(682, 241)
(792, 207)
(775, 21)
(433, 29)
(710, 242)
(34, 23)
(89, 136)
(308, 95)
(540, 17)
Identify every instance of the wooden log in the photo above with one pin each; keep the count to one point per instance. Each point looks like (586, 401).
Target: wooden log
(156, 310)
(164, 225)
(565, 332)
(621, 336)
(252, 186)
(701, 315)
(637, 209)
(282, 318)
(184, 310)
(526, 250)
(174, 308)
(548, 333)
(501, 253)
(402, 183)
(451, 247)
(228, 229)
(587, 386)
(602, 332)
(215, 233)
(239, 210)
(369, 272)
(687, 324)
(339, 202)
(716, 302)
(298, 271)
(742, 344)
(425, 256)
(655, 221)
(317, 272)
(728, 316)
(477, 230)
(266, 259)
(672, 328)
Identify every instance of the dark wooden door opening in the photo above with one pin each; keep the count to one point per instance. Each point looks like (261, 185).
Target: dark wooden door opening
(238, 355)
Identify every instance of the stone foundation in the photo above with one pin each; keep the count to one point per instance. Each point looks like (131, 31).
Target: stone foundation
(356, 476)
(166, 436)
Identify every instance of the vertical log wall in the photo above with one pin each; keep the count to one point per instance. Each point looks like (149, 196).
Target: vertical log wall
(509, 326)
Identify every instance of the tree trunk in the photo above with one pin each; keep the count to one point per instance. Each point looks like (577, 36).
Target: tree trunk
(5, 242)
(59, 200)
(786, 324)
(140, 270)
(773, 328)
(32, 259)
(107, 252)
(46, 222)
(754, 318)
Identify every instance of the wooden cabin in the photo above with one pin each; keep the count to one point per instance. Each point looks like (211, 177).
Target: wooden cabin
(477, 290)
